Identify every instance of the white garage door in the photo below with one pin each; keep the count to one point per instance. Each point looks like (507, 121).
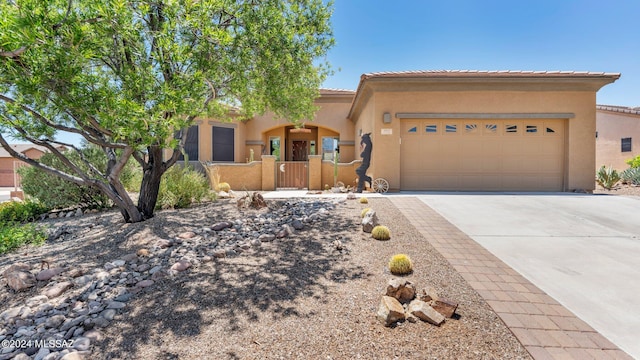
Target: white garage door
(482, 155)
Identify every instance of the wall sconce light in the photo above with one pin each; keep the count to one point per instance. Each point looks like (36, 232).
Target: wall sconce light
(386, 118)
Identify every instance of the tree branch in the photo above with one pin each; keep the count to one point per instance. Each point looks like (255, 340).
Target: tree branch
(14, 53)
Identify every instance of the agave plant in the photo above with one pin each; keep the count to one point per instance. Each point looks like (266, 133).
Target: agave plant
(607, 177)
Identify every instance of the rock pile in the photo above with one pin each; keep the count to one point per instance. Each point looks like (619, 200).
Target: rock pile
(401, 302)
(65, 319)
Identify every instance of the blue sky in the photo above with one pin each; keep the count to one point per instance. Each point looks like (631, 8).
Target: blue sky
(580, 35)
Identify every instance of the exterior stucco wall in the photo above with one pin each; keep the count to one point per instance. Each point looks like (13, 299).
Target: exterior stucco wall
(240, 176)
(579, 143)
(612, 127)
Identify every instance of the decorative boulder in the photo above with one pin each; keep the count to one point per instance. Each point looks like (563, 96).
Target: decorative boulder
(369, 221)
(424, 312)
(19, 277)
(390, 311)
(402, 290)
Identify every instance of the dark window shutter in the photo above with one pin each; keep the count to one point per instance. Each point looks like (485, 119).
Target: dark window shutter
(223, 143)
(191, 145)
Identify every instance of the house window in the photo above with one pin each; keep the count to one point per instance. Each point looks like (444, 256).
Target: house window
(223, 141)
(191, 145)
(274, 147)
(451, 128)
(329, 145)
(431, 128)
(625, 144)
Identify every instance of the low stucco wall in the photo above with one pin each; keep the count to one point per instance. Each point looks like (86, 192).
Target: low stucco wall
(239, 176)
(346, 172)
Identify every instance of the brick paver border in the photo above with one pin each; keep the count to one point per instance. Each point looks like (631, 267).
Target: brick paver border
(544, 327)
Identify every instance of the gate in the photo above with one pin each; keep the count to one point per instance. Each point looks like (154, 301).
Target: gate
(292, 174)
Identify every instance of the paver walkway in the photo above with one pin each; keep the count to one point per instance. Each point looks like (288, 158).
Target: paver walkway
(546, 328)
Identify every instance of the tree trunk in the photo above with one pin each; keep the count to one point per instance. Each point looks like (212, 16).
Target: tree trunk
(150, 187)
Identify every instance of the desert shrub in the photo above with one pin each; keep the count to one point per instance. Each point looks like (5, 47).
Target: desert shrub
(223, 186)
(635, 162)
(131, 176)
(181, 186)
(400, 264)
(631, 176)
(19, 211)
(364, 212)
(14, 235)
(607, 177)
(363, 200)
(54, 192)
(381, 232)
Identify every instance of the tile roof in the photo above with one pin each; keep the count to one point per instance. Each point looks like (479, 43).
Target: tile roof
(619, 109)
(330, 91)
(484, 73)
(21, 148)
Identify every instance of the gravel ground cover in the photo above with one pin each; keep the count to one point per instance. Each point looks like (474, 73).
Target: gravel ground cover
(296, 297)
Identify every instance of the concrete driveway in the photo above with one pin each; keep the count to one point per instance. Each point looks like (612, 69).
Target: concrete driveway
(583, 250)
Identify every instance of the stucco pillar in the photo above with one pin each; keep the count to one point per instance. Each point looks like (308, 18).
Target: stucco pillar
(315, 172)
(268, 172)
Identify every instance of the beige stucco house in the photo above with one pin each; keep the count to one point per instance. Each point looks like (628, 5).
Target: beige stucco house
(617, 128)
(431, 130)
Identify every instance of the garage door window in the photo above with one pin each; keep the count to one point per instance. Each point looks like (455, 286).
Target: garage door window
(430, 129)
(490, 128)
(532, 129)
(625, 144)
(471, 128)
(550, 130)
(413, 129)
(451, 128)
(511, 129)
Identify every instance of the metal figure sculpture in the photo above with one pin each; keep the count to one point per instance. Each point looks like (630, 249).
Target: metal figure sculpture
(365, 146)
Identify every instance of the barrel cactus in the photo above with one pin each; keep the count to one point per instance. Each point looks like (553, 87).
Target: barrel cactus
(363, 200)
(400, 264)
(223, 186)
(381, 232)
(364, 212)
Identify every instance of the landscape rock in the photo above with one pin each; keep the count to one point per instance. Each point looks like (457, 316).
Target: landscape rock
(47, 274)
(428, 294)
(19, 277)
(402, 290)
(369, 221)
(445, 307)
(187, 235)
(181, 265)
(390, 311)
(57, 289)
(221, 225)
(425, 312)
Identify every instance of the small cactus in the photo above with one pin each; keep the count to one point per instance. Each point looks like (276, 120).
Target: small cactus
(381, 232)
(223, 186)
(400, 264)
(326, 186)
(364, 212)
(363, 200)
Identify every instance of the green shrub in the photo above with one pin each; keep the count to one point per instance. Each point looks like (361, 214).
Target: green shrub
(635, 162)
(55, 193)
(182, 186)
(14, 235)
(131, 176)
(381, 232)
(400, 264)
(631, 176)
(18, 211)
(607, 177)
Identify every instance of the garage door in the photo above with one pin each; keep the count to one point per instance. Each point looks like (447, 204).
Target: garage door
(482, 155)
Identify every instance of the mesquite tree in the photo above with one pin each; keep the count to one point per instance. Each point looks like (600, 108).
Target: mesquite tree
(131, 76)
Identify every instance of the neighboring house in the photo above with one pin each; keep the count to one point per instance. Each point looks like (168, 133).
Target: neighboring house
(8, 164)
(617, 128)
(431, 130)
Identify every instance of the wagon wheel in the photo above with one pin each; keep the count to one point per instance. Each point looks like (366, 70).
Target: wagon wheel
(380, 185)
